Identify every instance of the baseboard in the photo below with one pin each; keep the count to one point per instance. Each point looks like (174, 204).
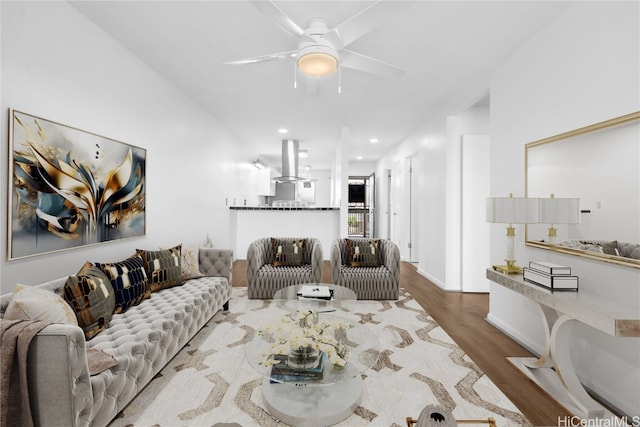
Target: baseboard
(514, 335)
(431, 278)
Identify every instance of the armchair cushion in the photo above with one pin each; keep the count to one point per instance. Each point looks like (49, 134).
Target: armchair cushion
(364, 253)
(287, 252)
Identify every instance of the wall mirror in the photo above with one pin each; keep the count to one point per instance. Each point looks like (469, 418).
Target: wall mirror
(600, 165)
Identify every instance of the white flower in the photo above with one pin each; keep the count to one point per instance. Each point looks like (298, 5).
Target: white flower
(304, 329)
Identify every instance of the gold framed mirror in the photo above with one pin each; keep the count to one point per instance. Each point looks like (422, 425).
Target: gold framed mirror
(600, 165)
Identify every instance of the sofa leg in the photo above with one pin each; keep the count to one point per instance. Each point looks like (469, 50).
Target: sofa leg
(225, 306)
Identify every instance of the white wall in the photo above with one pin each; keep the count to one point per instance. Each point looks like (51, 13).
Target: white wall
(361, 168)
(58, 65)
(437, 144)
(580, 70)
(323, 186)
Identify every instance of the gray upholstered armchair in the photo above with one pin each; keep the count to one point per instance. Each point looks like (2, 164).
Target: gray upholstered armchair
(375, 278)
(264, 278)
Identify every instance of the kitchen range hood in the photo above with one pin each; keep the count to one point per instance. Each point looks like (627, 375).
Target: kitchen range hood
(290, 157)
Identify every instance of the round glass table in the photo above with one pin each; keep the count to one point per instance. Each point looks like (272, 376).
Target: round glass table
(321, 394)
(290, 299)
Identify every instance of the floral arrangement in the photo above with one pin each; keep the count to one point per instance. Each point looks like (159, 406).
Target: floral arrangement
(301, 331)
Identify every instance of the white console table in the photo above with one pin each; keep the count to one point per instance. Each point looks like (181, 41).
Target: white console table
(559, 309)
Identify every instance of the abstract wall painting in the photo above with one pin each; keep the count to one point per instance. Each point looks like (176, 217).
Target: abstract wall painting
(70, 188)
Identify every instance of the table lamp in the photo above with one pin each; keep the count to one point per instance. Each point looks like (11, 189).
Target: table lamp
(511, 210)
(558, 211)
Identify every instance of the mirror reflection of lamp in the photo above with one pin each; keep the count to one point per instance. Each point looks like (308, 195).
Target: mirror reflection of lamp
(554, 211)
(511, 210)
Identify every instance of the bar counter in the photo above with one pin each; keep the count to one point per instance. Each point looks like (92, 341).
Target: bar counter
(282, 208)
(249, 223)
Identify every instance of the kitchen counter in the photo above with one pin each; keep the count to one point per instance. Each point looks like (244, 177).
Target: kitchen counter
(249, 223)
(283, 208)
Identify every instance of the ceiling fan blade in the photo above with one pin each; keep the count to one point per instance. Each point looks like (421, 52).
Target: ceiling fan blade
(363, 22)
(264, 58)
(281, 18)
(360, 62)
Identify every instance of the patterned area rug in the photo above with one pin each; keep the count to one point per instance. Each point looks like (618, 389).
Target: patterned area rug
(210, 381)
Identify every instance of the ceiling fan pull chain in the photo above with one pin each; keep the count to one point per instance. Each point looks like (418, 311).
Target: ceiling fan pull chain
(295, 76)
(339, 79)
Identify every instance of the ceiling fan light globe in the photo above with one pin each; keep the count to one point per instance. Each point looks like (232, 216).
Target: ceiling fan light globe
(317, 64)
(317, 59)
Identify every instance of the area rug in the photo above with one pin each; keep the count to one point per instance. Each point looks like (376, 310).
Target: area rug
(210, 381)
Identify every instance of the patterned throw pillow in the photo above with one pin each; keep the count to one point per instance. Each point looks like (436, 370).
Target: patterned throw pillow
(128, 280)
(162, 267)
(31, 303)
(91, 296)
(364, 253)
(287, 253)
(610, 248)
(603, 246)
(190, 263)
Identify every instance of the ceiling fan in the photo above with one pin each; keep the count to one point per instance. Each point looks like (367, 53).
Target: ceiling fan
(321, 50)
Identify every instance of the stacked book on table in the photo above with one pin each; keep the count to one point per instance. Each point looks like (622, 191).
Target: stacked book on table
(282, 372)
(551, 276)
(318, 292)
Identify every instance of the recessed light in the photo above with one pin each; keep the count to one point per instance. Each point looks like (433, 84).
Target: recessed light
(373, 140)
(358, 157)
(282, 130)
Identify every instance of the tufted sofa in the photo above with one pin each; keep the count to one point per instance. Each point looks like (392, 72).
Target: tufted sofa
(378, 282)
(627, 250)
(264, 279)
(141, 340)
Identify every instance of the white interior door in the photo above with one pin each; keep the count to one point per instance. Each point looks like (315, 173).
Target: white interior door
(414, 208)
(475, 229)
(396, 204)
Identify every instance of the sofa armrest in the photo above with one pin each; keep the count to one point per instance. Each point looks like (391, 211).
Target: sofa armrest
(256, 254)
(58, 375)
(335, 262)
(391, 259)
(216, 262)
(317, 260)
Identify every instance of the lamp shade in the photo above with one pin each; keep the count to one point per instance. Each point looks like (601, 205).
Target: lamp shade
(559, 211)
(512, 210)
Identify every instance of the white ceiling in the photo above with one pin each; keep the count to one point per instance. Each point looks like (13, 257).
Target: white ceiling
(442, 45)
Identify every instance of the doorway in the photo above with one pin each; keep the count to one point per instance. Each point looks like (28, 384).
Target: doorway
(362, 206)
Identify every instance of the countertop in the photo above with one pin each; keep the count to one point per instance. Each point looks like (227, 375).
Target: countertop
(283, 208)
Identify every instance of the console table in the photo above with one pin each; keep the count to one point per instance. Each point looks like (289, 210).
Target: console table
(559, 309)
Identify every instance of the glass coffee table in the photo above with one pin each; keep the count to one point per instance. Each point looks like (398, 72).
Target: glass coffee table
(323, 394)
(341, 298)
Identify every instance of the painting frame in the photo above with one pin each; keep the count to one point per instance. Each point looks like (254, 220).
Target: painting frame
(69, 188)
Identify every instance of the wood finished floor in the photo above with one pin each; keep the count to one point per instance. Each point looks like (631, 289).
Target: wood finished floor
(462, 316)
